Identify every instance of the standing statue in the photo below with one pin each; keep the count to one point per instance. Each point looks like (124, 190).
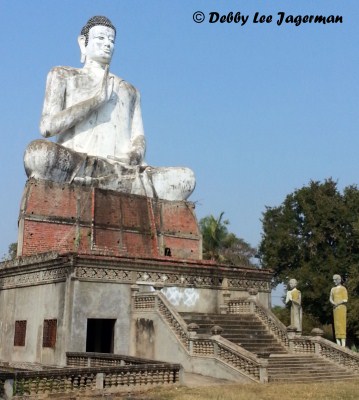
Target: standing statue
(295, 297)
(96, 118)
(339, 298)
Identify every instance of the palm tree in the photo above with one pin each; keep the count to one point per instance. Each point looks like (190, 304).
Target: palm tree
(222, 246)
(214, 232)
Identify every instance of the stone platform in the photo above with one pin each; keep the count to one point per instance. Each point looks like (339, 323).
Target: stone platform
(52, 303)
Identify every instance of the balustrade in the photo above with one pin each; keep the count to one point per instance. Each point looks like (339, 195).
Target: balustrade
(198, 346)
(66, 380)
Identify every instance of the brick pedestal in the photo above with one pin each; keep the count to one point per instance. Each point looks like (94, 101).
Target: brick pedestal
(69, 218)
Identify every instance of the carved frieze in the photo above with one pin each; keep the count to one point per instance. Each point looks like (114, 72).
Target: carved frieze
(107, 274)
(130, 271)
(33, 278)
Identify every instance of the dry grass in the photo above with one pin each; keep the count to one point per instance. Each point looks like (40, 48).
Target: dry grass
(314, 391)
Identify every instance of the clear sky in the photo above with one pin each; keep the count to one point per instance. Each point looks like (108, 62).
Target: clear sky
(256, 110)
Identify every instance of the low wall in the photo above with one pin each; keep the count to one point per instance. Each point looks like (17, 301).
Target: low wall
(107, 378)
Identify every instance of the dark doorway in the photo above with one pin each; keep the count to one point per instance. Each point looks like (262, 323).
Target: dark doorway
(100, 335)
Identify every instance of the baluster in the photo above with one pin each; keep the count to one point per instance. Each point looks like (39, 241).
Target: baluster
(77, 382)
(49, 384)
(109, 379)
(170, 376)
(42, 385)
(105, 380)
(82, 382)
(68, 383)
(121, 378)
(33, 386)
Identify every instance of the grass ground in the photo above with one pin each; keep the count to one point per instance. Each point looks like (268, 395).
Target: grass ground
(313, 391)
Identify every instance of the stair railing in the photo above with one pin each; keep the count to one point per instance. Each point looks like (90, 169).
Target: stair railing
(296, 344)
(327, 349)
(253, 367)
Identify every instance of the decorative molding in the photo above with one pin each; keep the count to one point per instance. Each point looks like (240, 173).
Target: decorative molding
(166, 279)
(104, 274)
(34, 278)
(52, 267)
(260, 285)
(29, 260)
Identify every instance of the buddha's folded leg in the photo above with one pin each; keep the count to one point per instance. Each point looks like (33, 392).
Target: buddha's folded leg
(51, 161)
(172, 183)
(54, 162)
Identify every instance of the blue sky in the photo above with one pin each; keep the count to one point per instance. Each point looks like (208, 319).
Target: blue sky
(255, 110)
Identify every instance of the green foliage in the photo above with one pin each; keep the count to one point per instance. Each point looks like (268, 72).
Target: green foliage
(223, 246)
(11, 254)
(282, 313)
(311, 236)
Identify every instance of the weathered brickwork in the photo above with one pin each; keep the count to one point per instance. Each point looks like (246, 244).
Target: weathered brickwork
(68, 218)
(41, 237)
(189, 246)
(177, 219)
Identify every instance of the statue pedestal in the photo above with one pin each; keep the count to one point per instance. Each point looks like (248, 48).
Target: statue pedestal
(71, 218)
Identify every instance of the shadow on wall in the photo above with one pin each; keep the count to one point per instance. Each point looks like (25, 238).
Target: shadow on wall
(145, 338)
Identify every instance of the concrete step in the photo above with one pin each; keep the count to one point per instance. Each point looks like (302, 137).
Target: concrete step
(245, 330)
(226, 322)
(247, 339)
(250, 333)
(302, 375)
(313, 379)
(238, 325)
(302, 371)
(300, 367)
(297, 368)
(219, 317)
(247, 327)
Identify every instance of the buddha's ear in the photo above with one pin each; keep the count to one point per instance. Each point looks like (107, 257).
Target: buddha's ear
(82, 43)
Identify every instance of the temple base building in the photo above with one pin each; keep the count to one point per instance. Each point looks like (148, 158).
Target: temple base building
(84, 254)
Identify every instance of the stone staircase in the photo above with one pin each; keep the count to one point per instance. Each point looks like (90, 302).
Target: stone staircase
(243, 329)
(252, 334)
(305, 368)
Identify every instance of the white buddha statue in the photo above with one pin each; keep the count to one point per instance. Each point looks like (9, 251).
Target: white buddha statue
(96, 118)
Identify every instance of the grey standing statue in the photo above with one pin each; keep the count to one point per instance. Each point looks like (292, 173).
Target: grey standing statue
(294, 296)
(96, 118)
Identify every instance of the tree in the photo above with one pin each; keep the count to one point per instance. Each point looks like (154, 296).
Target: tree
(311, 236)
(223, 246)
(12, 251)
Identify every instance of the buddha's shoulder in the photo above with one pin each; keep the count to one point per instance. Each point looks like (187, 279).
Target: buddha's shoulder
(64, 71)
(126, 85)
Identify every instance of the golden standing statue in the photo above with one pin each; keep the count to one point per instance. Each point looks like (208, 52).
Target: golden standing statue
(339, 298)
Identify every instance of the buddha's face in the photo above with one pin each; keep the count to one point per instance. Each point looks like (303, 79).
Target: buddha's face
(337, 280)
(292, 283)
(101, 44)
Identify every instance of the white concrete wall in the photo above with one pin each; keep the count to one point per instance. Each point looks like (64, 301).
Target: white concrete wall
(33, 304)
(100, 300)
(205, 300)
